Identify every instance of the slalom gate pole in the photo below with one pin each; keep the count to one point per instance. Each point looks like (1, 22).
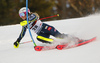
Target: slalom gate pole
(28, 22)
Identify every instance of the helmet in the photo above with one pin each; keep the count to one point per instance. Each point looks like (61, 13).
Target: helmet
(23, 9)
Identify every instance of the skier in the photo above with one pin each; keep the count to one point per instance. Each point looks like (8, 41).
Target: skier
(43, 30)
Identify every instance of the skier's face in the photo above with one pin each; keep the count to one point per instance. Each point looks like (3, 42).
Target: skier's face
(23, 15)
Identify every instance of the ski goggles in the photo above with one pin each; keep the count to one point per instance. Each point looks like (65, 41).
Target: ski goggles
(22, 14)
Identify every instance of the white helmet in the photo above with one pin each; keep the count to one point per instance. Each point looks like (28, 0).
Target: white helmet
(23, 9)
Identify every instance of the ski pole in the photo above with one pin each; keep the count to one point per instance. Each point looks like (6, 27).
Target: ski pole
(25, 42)
(49, 17)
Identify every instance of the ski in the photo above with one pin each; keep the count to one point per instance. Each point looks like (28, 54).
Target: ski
(86, 41)
(43, 48)
(64, 46)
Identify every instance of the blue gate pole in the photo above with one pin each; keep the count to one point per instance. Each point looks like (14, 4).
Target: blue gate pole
(28, 22)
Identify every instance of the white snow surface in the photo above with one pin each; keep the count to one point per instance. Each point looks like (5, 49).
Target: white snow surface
(85, 28)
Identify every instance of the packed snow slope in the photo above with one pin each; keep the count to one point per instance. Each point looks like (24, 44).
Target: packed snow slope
(85, 28)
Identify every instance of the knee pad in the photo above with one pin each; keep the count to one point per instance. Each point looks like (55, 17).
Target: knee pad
(44, 39)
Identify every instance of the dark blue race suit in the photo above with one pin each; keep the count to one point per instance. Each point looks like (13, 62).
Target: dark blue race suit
(43, 33)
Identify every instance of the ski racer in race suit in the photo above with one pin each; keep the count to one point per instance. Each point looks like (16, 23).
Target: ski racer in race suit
(43, 30)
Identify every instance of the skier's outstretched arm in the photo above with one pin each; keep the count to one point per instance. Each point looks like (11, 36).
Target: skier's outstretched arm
(16, 43)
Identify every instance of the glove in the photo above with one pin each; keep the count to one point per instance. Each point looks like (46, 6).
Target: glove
(16, 44)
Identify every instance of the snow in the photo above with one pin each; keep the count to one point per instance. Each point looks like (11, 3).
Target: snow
(85, 28)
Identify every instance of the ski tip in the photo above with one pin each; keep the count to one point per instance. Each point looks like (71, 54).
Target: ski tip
(87, 41)
(94, 38)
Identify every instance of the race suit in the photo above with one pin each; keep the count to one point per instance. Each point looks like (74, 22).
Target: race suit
(43, 30)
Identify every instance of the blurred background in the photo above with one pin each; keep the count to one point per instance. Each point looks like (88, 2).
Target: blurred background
(66, 8)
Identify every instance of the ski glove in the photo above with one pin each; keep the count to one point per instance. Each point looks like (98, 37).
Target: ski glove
(16, 44)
